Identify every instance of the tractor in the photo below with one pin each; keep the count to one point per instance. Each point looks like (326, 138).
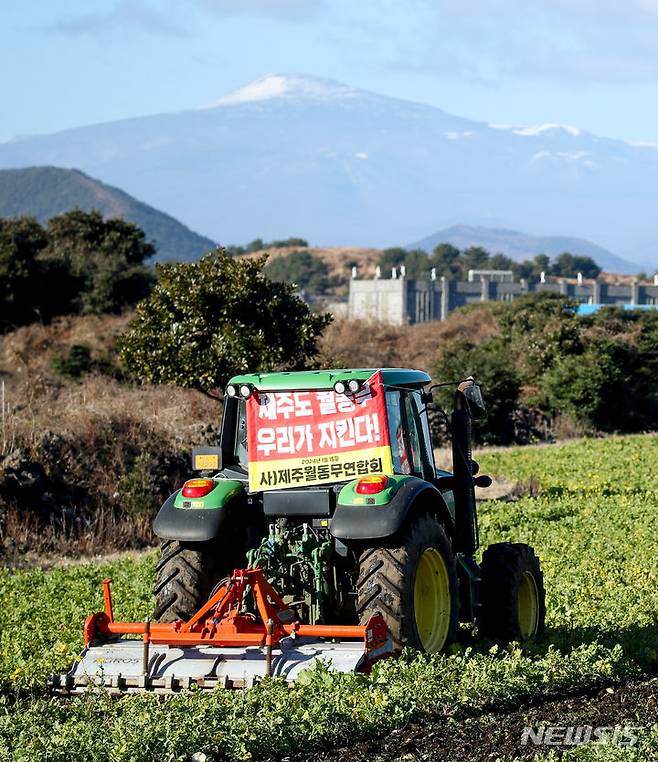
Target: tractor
(318, 529)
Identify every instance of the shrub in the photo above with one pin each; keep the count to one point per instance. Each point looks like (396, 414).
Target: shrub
(488, 362)
(75, 364)
(597, 372)
(539, 328)
(589, 387)
(207, 320)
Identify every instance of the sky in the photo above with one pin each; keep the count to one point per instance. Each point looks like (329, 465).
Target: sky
(588, 63)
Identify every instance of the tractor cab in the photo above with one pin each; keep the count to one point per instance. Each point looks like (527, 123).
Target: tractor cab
(291, 399)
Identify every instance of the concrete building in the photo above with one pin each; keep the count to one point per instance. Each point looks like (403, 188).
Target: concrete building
(403, 300)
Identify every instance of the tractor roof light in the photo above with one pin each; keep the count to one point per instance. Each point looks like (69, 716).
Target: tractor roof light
(246, 390)
(354, 385)
(197, 487)
(240, 390)
(371, 485)
(348, 386)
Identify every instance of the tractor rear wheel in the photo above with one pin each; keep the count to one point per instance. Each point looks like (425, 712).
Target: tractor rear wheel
(413, 585)
(185, 576)
(512, 595)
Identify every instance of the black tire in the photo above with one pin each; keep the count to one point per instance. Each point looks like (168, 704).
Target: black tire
(387, 579)
(185, 576)
(509, 572)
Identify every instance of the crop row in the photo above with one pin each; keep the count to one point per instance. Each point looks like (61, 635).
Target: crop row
(594, 525)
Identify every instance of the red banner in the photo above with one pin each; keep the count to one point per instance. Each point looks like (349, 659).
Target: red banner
(311, 437)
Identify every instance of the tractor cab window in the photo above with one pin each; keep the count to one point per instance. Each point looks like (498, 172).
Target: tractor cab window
(402, 462)
(240, 448)
(414, 436)
(426, 435)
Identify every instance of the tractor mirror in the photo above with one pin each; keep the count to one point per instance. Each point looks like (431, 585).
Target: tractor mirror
(476, 407)
(206, 458)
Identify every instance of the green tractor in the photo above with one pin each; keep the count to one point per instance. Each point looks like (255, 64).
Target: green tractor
(401, 544)
(319, 518)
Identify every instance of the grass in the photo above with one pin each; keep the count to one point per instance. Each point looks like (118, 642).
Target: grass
(594, 525)
(83, 463)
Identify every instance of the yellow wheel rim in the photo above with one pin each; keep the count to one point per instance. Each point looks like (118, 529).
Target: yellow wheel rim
(432, 600)
(528, 603)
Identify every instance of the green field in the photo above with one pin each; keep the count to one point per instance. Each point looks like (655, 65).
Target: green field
(594, 525)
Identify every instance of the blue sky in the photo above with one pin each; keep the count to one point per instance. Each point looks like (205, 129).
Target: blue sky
(591, 63)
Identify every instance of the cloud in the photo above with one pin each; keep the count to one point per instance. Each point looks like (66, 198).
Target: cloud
(125, 16)
(291, 10)
(572, 40)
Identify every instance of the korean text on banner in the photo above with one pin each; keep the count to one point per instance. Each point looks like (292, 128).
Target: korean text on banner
(312, 437)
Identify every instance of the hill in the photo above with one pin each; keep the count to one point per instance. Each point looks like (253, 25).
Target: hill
(520, 246)
(44, 192)
(339, 261)
(341, 166)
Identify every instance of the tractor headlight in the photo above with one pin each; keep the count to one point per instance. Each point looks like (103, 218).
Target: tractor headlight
(231, 390)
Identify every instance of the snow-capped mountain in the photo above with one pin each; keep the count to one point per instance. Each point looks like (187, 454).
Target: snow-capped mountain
(297, 155)
(289, 87)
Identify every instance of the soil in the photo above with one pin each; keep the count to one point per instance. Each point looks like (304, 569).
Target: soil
(47, 561)
(497, 735)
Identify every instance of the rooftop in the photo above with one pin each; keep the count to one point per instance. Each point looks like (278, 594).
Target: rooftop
(325, 379)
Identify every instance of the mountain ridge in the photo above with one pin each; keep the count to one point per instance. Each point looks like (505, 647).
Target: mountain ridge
(342, 166)
(44, 192)
(520, 246)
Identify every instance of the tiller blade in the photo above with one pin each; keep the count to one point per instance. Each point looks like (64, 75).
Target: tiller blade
(220, 645)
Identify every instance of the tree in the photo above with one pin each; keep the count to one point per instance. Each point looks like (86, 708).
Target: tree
(474, 258)
(445, 258)
(541, 264)
(302, 268)
(302, 243)
(207, 320)
(31, 287)
(390, 258)
(568, 266)
(501, 262)
(417, 264)
(105, 257)
(532, 268)
(258, 245)
(21, 241)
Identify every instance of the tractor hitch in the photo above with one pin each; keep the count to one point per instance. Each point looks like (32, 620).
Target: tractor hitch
(221, 644)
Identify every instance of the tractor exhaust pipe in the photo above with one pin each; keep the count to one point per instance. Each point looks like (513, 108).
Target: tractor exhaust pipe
(466, 535)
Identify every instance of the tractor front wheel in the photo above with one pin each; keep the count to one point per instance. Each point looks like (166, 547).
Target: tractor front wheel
(512, 595)
(413, 585)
